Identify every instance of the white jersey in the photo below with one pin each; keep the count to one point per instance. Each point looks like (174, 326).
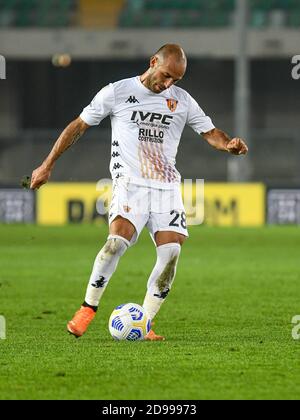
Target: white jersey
(146, 129)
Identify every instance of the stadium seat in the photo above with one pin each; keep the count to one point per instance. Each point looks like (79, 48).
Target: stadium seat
(50, 14)
(4, 4)
(126, 19)
(286, 4)
(277, 18)
(7, 18)
(157, 4)
(293, 19)
(25, 13)
(258, 18)
(190, 19)
(214, 19)
(228, 5)
(135, 5)
(266, 5)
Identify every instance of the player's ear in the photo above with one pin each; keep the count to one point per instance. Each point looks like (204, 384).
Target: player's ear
(153, 61)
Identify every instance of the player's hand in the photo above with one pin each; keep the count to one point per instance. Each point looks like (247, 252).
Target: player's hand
(39, 177)
(237, 146)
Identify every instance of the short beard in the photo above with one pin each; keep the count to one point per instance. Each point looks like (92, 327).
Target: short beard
(148, 82)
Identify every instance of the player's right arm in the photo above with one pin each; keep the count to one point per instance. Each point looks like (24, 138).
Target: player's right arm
(68, 137)
(100, 107)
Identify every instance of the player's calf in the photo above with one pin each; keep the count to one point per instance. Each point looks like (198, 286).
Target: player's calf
(161, 278)
(104, 266)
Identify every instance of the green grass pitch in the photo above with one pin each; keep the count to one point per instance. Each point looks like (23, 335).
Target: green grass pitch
(227, 319)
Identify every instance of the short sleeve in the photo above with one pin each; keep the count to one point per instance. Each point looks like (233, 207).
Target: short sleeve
(100, 107)
(197, 119)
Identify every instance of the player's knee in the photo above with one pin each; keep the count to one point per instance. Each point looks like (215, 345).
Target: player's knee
(165, 238)
(180, 239)
(111, 252)
(122, 228)
(115, 246)
(168, 252)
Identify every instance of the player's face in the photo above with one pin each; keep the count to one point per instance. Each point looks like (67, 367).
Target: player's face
(165, 74)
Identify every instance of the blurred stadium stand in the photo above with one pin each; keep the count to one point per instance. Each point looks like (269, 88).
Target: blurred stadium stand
(110, 40)
(145, 13)
(203, 13)
(38, 100)
(41, 13)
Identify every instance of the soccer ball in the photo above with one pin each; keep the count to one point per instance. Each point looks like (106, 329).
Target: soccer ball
(129, 322)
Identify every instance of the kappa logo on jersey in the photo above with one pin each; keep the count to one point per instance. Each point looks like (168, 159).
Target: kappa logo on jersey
(172, 104)
(151, 116)
(115, 154)
(117, 166)
(132, 100)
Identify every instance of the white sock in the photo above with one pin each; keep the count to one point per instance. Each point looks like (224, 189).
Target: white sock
(161, 278)
(105, 265)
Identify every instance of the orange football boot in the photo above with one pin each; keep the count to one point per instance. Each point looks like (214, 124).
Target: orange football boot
(81, 321)
(151, 336)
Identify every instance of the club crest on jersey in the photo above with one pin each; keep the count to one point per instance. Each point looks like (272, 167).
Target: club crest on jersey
(172, 104)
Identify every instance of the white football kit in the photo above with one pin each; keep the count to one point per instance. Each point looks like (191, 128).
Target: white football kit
(146, 131)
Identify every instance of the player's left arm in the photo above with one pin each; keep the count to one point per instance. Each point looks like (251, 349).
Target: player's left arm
(221, 141)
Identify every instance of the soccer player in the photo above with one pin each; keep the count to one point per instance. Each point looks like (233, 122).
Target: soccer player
(148, 114)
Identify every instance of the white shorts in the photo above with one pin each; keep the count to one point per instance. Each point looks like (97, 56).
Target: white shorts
(157, 209)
